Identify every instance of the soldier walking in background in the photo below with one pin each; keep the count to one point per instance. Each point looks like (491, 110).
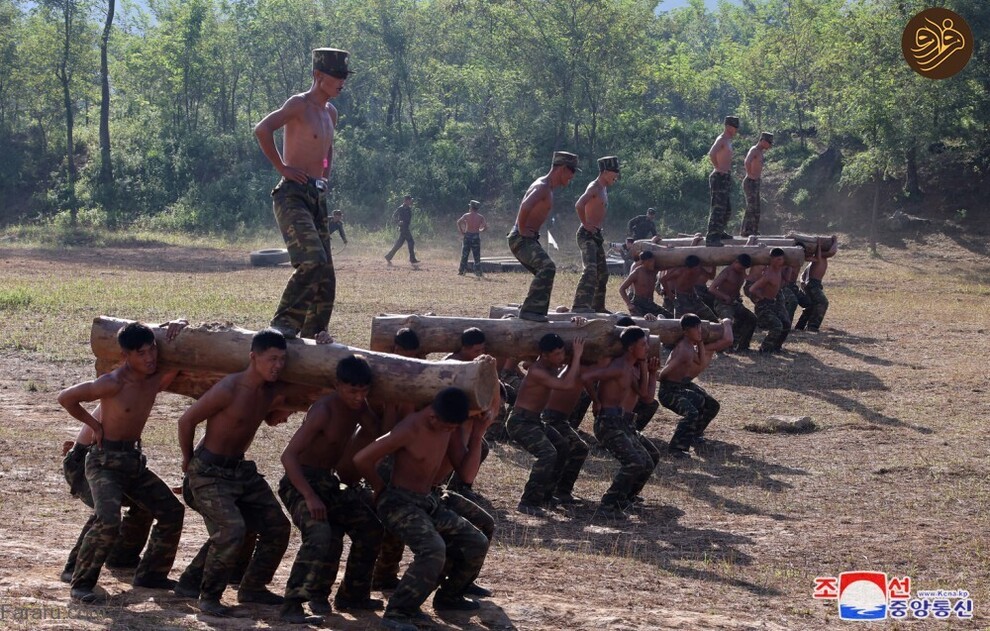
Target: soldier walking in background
(751, 184)
(403, 217)
(643, 226)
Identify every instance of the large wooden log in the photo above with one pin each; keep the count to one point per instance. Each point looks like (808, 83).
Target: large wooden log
(204, 354)
(511, 337)
(724, 255)
(791, 239)
(669, 331)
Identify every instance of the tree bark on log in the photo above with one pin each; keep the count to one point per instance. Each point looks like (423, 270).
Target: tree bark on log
(668, 330)
(724, 255)
(204, 354)
(791, 239)
(510, 337)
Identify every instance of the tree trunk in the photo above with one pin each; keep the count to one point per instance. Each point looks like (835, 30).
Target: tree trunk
(912, 186)
(503, 338)
(669, 331)
(65, 77)
(106, 166)
(204, 354)
(878, 178)
(724, 255)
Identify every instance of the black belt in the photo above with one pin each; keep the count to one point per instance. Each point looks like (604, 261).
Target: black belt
(217, 460)
(121, 445)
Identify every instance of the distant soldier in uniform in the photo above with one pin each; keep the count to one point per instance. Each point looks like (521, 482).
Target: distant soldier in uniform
(299, 199)
(471, 225)
(627, 374)
(591, 207)
(751, 184)
(524, 238)
(227, 490)
(720, 182)
(526, 427)
(403, 217)
(677, 393)
(642, 281)
(771, 315)
(728, 303)
(337, 225)
(813, 315)
(408, 507)
(116, 466)
(323, 508)
(643, 226)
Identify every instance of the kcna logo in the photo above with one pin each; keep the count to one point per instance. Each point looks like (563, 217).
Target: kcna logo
(937, 43)
(874, 596)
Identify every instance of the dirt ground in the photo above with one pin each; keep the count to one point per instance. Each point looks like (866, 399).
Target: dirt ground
(893, 479)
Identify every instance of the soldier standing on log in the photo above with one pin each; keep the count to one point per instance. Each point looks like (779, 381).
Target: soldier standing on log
(751, 184)
(524, 238)
(299, 198)
(720, 182)
(589, 297)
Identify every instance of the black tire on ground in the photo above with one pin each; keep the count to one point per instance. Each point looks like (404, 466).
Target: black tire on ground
(263, 258)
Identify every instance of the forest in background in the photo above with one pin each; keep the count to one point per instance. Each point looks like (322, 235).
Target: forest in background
(114, 115)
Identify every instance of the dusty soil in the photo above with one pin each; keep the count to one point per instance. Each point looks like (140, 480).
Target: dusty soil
(893, 479)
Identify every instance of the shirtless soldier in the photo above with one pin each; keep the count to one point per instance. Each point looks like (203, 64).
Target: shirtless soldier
(408, 507)
(676, 392)
(720, 182)
(227, 489)
(728, 304)
(471, 225)
(524, 238)
(299, 200)
(771, 314)
(589, 297)
(813, 315)
(323, 508)
(751, 184)
(115, 465)
(526, 428)
(683, 281)
(642, 280)
(626, 374)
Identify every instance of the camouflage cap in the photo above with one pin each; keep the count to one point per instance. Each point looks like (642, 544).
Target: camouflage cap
(651, 211)
(331, 61)
(732, 121)
(565, 159)
(608, 163)
(767, 136)
(474, 203)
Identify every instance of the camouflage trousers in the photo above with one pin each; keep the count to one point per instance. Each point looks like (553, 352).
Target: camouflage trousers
(794, 298)
(616, 434)
(405, 238)
(751, 220)
(645, 305)
(743, 323)
(574, 455)
(689, 302)
(590, 292)
(632, 419)
(472, 246)
(534, 258)
(721, 205)
(814, 312)
(307, 300)
(318, 559)
(550, 449)
(643, 413)
(436, 535)
(696, 407)
(134, 526)
(112, 474)
(771, 316)
(705, 296)
(235, 499)
(192, 576)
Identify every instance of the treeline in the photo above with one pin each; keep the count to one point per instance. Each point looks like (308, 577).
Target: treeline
(115, 114)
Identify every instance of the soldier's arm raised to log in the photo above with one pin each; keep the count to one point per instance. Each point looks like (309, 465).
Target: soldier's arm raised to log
(651, 367)
(73, 397)
(312, 426)
(466, 460)
(566, 380)
(366, 460)
(626, 284)
(708, 350)
(172, 329)
(216, 399)
(716, 287)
